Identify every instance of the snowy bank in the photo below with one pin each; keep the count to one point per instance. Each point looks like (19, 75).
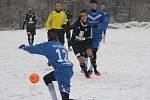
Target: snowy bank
(132, 24)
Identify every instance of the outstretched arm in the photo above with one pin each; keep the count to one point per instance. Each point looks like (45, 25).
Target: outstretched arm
(36, 49)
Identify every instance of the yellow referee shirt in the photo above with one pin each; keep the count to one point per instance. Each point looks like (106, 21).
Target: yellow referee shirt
(56, 20)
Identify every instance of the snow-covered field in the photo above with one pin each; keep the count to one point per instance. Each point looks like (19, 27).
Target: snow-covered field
(124, 61)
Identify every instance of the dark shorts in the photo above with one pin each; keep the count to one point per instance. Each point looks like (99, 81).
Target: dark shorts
(60, 33)
(80, 47)
(31, 30)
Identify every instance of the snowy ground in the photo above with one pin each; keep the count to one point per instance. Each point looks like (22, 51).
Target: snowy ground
(124, 61)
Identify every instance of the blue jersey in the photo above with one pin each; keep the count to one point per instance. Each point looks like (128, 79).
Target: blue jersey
(96, 21)
(107, 18)
(58, 57)
(55, 52)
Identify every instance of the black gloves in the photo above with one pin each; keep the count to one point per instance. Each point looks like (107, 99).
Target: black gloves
(22, 46)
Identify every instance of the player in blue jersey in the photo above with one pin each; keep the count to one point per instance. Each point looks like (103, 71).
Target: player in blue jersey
(106, 20)
(56, 53)
(96, 21)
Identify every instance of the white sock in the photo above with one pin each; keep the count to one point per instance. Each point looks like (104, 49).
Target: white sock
(86, 61)
(86, 64)
(52, 92)
(91, 67)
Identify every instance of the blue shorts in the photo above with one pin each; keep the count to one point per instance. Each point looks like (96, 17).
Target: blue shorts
(96, 39)
(63, 74)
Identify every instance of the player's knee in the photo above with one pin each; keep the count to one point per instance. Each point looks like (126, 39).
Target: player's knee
(81, 59)
(89, 52)
(48, 78)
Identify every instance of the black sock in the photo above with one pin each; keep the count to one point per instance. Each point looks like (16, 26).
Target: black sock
(83, 67)
(29, 39)
(32, 40)
(64, 95)
(93, 62)
(93, 59)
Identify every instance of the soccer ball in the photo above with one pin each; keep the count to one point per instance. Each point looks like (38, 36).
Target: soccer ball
(34, 78)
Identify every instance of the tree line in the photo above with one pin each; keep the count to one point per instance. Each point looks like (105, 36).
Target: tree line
(12, 11)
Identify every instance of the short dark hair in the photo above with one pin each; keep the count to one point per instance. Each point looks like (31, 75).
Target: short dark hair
(93, 1)
(83, 11)
(57, 2)
(52, 35)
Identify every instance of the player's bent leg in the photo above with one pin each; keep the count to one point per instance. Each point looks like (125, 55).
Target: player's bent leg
(48, 78)
(83, 67)
(82, 64)
(85, 60)
(48, 81)
(93, 62)
(89, 52)
(86, 55)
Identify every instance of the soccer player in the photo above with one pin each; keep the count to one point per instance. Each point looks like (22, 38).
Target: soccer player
(82, 41)
(106, 20)
(56, 53)
(31, 20)
(67, 28)
(96, 22)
